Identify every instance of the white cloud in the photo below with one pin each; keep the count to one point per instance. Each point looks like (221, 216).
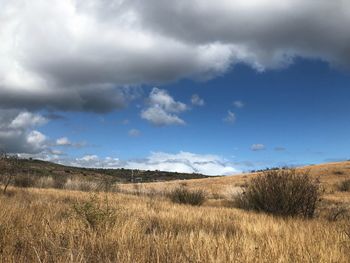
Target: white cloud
(230, 118)
(161, 98)
(17, 134)
(257, 147)
(183, 162)
(64, 141)
(36, 139)
(238, 104)
(134, 133)
(26, 120)
(196, 100)
(88, 158)
(162, 108)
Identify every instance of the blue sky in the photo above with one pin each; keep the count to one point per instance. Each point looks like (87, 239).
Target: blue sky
(299, 114)
(214, 87)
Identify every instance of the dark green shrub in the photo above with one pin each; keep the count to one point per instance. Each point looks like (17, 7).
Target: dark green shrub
(344, 186)
(182, 195)
(282, 193)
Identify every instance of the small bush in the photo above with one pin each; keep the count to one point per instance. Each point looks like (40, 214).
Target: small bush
(94, 215)
(282, 193)
(182, 195)
(344, 186)
(338, 172)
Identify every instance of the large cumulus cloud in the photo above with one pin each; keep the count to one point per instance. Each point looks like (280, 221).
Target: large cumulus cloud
(76, 55)
(18, 134)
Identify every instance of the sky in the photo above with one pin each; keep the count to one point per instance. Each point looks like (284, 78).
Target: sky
(213, 87)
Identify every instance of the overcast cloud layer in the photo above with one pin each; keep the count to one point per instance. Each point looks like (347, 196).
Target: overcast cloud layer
(75, 55)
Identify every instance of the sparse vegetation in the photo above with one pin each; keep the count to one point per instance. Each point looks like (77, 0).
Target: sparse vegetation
(24, 181)
(94, 215)
(9, 165)
(141, 224)
(182, 195)
(344, 186)
(282, 193)
(51, 232)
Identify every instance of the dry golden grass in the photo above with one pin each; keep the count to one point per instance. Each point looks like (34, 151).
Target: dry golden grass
(330, 175)
(40, 225)
(44, 225)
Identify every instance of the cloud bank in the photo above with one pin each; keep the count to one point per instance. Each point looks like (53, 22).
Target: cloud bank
(183, 162)
(85, 55)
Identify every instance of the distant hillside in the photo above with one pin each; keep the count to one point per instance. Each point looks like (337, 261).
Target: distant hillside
(43, 168)
(329, 174)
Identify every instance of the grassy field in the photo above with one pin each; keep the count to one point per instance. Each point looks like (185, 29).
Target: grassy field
(48, 225)
(329, 174)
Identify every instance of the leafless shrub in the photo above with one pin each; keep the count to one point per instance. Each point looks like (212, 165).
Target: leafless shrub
(281, 192)
(79, 185)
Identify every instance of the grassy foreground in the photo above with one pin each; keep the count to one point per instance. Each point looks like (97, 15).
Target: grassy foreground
(43, 225)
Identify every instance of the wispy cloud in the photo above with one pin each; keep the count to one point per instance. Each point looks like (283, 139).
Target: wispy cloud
(230, 117)
(196, 100)
(238, 104)
(258, 147)
(134, 133)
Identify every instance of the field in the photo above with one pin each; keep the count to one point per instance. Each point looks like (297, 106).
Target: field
(138, 223)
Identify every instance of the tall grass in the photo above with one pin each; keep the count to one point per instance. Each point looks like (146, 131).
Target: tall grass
(39, 225)
(182, 195)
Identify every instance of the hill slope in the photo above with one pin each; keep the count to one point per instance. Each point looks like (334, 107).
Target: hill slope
(44, 169)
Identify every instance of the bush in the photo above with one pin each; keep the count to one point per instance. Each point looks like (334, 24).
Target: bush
(344, 186)
(282, 193)
(94, 215)
(182, 195)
